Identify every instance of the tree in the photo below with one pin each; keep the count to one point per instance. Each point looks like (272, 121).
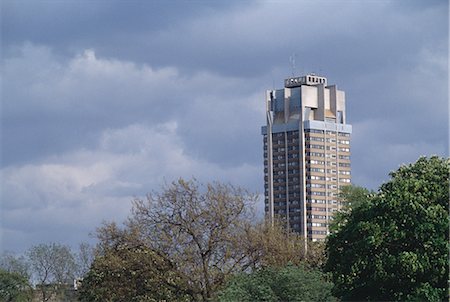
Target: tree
(351, 197)
(127, 270)
(272, 245)
(52, 265)
(14, 287)
(15, 264)
(289, 283)
(198, 235)
(201, 229)
(394, 244)
(84, 259)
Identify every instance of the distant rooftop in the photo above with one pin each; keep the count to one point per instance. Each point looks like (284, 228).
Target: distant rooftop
(309, 79)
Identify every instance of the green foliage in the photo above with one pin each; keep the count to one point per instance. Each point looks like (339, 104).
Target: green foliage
(127, 270)
(351, 197)
(14, 287)
(290, 283)
(394, 244)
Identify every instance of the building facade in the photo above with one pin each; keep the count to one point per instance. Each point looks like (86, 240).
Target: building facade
(306, 154)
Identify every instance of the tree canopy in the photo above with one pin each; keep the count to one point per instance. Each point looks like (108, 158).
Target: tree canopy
(52, 265)
(192, 239)
(196, 232)
(394, 244)
(128, 270)
(289, 283)
(14, 287)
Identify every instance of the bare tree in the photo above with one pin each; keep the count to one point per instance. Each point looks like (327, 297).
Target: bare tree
(15, 264)
(84, 258)
(192, 238)
(269, 244)
(52, 265)
(201, 228)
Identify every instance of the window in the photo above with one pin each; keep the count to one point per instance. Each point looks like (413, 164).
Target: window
(318, 154)
(317, 216)
(315, 185)
(317, 193)
(314, 146)
(316, 224)
(315, 170)
(314, 177)
(313, 138)
(313, 131)
(317, 233)
(318, 201)
(315, 162)
(316, 209)
(344, 134)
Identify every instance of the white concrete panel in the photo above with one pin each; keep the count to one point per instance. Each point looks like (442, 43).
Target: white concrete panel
(327, 99)
(309, 96)
(340, 100)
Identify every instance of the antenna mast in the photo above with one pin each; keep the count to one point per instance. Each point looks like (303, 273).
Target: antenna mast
(292, 60)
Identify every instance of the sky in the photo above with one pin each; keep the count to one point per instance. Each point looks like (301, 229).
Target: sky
(105, 101)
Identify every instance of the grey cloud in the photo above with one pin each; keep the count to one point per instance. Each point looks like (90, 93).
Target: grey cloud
(72, 193)
(71, 102)
(77, 23)
(98, 106)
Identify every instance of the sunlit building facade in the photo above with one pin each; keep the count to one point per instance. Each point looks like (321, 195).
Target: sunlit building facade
(306, 154)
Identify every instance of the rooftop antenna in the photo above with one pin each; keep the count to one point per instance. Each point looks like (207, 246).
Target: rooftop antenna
(292, 60)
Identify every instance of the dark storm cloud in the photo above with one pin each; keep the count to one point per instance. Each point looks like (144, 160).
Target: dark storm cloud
(62, 22)
(105, 100)
(113, 28)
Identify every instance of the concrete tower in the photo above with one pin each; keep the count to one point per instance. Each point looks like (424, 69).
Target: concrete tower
(306, 154)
